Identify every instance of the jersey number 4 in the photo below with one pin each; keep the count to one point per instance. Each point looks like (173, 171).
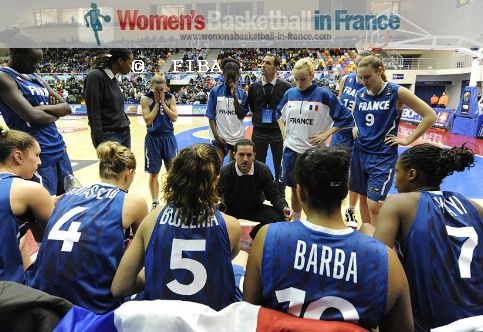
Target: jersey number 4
(72, 234)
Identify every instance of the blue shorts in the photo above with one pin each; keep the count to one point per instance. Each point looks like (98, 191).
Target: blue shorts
(158, 148)
(343, 138)
(371, 175)
(52, 177)
(289, 157)
(239, 273)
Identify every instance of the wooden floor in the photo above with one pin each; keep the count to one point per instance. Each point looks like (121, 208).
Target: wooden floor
(190, 130)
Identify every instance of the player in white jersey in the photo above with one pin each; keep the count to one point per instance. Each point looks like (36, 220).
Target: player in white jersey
(309, 114)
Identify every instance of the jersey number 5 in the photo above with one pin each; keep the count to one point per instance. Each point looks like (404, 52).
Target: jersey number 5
(177, 261)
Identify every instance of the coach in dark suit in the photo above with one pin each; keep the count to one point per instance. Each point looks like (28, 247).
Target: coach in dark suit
(245, 184)
(263, 97)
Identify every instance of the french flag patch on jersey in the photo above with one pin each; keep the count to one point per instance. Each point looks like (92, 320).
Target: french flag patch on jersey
(314, 107)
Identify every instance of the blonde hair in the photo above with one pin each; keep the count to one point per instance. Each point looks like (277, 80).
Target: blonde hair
(375, 61)
(308, 63)
(13, 139)
(114, 158)
(157, 79)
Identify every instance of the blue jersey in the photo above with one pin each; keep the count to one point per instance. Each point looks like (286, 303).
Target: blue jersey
(33, 89)
(189, 262)
(82, 247)
(314, 272)
(11, 230)
(162, 123)
(351, 86)
(443, 259)
(348, 98)
(376, 116)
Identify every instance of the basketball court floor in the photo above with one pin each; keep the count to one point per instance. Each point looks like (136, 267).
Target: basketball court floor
(194, 129)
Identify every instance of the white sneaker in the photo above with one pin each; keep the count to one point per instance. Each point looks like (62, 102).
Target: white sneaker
(350, 219)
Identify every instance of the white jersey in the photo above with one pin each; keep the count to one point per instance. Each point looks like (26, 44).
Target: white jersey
(222, 109)
(308, 113)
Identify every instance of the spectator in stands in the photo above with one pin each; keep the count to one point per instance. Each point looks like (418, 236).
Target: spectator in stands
(437, 235)
(189, 222)
(434, 100)
(443, 100)
(308, 115)
(363, 280)
(159, 113)
(244, 185)
(79, 263)
(22, 203)
(105, 100)
(263, 99)
(227, 107)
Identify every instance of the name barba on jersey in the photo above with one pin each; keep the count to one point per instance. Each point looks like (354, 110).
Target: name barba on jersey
(326, 261)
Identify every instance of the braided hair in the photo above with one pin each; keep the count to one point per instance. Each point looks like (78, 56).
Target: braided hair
(437, 163)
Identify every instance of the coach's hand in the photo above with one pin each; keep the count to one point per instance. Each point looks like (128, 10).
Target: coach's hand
(287, 212)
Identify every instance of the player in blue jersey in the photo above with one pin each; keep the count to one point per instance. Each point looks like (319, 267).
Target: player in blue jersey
(85, 237)
(187, 245)
(376, 114)
(159, 113)
(308, 115)
(320, 268)
(22, 203)
(29, 104)
(227, 106)
(348, 87)
(439, 235)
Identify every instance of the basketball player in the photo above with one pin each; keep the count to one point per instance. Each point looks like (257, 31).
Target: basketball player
(22, 202)
(186, 246)
(376, 113)
(29, 104)
(362, 280)
(438, 234)
(159, 113)
(84, 239)
(348, 86)
(309, 114)
(227, 106)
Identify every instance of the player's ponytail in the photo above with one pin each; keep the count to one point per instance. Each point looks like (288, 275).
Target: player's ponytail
(13, 139)
(435, 163)
(114, 158)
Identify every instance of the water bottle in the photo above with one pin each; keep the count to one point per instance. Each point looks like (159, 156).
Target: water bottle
(70, 182)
